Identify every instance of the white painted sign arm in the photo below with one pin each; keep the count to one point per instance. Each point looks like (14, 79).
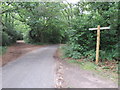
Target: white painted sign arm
(102, 28)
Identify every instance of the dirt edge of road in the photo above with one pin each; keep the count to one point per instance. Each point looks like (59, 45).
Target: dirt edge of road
(16, 50)
(60, 83)
(73, 68)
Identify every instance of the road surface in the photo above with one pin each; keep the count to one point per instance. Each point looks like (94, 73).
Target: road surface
(33, 70)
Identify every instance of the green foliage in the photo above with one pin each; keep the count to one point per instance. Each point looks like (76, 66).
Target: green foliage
(9, 36)
(19, 35)
(5, 39)
(2, 50)
(90, 55)
(44, 22)
(27, 37)
(12, 34)
(109, 55)
(89, 66)
(84, 65)
(74, 61)
(71, 51)
(82, 42)
(104, 55)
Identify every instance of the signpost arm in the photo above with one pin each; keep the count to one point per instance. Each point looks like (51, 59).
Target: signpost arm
(98, 44)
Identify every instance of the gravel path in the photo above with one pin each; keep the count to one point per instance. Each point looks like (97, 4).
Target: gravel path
(33, 70)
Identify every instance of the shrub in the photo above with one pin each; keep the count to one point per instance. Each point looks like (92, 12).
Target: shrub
(2, 50)
(5, 39)
(13, 35)
(9, 36)
(19, 36)
(71, 51)
(90, 54)
(27, 38)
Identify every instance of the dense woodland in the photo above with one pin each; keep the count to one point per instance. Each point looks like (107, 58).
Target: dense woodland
(65, 23)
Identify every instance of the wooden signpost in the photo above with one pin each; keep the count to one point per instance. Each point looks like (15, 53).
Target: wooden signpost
(98, 40)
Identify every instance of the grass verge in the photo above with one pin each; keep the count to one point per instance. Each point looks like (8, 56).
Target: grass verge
(101, 70)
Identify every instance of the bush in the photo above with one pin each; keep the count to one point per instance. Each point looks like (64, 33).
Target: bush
(13, 35)
(109, 55)
(19, 36)
(74, 51)
(90, 54)
(27, 38)
(42, 36)
(71, 51)
(2, 50)
(104, 55)
(9, 36)
(5, 39)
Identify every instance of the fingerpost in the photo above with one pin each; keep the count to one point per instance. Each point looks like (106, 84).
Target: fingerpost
(98, 40)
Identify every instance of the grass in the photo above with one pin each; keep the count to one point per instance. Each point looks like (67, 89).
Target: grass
(73, 61)
(84, 65)
(89, 66)
(96, 69)
(2, 50)
(39, 43)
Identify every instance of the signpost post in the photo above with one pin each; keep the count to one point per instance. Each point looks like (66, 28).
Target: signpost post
(98, 40)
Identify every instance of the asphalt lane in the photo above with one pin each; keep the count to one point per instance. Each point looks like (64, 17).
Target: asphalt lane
(33, 70)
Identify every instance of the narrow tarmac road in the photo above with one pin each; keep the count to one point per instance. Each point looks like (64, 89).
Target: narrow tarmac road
(33, 70)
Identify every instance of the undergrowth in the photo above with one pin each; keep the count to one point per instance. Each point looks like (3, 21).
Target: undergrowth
(2, 50)
(104, 68)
